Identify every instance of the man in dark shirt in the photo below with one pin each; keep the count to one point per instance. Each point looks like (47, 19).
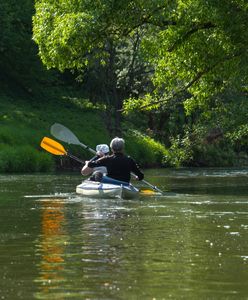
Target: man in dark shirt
(119, 166)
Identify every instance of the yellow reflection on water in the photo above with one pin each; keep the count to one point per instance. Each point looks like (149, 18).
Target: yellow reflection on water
(51, 248)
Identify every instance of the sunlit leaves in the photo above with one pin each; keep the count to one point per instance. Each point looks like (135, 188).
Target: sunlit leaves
(202, 53)
(61, 34)
(195, 47)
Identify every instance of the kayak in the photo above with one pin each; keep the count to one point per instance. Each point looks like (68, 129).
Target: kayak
(107, 189)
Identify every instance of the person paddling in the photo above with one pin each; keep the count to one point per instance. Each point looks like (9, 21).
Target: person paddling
(97, 172)
(119, 166)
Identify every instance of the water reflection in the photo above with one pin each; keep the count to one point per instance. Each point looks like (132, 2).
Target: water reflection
(74, 248)
(51, 246)
(113, 249)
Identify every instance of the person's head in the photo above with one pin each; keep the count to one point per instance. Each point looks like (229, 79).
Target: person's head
(117, 145)
(102, 149)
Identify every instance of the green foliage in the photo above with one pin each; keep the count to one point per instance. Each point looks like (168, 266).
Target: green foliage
(197, 48)
(229, 113)
(199, 153)
(239, 137)
(215, 155)
(194, 52)
(76, 34)
(217, 138)
(92, 40)
(19, 63)
(180, 153)
(15, 23)
(144, 149)
(202, 53)
(24, 159)
(183, 62)
(25, 123)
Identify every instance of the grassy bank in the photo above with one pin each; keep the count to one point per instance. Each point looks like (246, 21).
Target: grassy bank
(26, 117)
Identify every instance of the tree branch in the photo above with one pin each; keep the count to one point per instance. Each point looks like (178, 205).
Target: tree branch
(192, 82)
(194, 29)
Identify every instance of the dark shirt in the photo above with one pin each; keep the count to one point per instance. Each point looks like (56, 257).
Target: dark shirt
(119, 166)
(96, 157)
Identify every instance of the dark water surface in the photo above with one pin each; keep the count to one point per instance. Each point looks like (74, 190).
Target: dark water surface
(190, 244)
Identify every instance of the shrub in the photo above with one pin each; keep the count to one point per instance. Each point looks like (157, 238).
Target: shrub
(144, 149)
(24, 159)
(180, 153)
(215, 155)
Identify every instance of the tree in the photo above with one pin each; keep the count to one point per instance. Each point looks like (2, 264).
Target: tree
(199, 54)
(18, 59)
(82, 36)
(123, 75)
(196, 46)
(188, 53)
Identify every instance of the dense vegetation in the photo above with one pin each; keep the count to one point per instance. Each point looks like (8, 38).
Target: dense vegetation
(163, 74)
(26, 119)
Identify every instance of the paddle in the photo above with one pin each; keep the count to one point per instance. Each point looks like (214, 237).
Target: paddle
(66, 135)
(56, 148)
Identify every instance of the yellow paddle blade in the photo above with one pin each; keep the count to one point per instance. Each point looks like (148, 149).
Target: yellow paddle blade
(148, 192)
(52, 146)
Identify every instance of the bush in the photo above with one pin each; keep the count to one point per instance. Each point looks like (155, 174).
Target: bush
(180, 153)
(215, 155)
(144, 149)
(24, 159)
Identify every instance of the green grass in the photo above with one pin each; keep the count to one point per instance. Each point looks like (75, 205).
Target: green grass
(144, 149)
(24, 159)
(26, 119)
(24, 122)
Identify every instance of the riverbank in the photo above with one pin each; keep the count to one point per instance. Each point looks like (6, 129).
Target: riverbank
(27, 115)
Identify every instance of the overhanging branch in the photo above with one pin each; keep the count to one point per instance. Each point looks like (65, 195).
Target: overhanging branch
(194, 29)
(198, 76)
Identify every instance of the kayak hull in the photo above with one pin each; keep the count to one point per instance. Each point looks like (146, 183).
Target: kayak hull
(106, 190)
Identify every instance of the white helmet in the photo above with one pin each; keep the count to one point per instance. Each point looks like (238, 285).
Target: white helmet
(102, 148)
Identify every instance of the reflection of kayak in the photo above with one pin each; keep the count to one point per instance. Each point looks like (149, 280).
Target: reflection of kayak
(107, 189)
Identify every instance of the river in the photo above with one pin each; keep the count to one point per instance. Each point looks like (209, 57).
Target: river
(191, 243)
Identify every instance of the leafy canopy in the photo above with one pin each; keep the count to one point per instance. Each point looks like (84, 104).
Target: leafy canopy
(198, 48)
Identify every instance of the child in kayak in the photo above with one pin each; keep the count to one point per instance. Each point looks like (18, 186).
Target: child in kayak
(97, 172)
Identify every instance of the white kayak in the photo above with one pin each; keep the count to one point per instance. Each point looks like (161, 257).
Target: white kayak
(96, 189)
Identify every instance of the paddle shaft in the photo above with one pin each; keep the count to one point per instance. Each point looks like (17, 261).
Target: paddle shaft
(87, 148)
(152, 186)
(75, 158)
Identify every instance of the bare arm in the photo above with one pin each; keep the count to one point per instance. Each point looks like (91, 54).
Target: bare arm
(86, 170)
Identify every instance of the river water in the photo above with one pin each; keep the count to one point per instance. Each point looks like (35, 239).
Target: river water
(191, 243)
